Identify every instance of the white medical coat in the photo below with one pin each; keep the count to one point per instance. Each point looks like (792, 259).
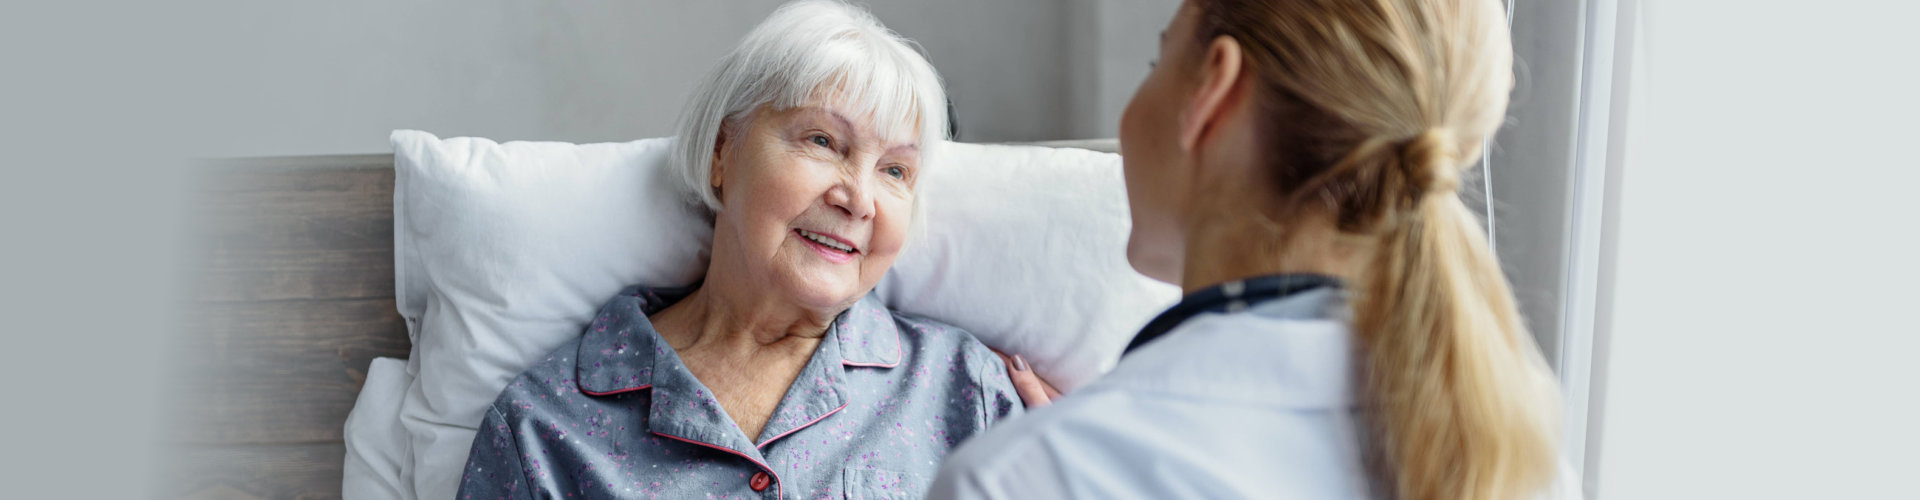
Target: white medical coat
(1251, 404)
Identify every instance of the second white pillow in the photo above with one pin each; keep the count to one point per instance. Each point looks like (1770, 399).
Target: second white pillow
(1025, 247)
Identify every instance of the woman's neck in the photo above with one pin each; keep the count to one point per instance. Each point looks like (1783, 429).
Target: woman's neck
(740, 320)
(1223, 248)
(742, 343)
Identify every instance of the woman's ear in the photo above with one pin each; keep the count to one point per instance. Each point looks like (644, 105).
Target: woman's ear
(1218, 92)
(717, 169)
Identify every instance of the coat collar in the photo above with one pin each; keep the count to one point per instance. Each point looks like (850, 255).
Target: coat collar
(1295, 352)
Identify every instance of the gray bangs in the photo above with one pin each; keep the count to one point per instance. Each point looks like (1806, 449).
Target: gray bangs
(874, 85)
(821, 52)
(861, 68)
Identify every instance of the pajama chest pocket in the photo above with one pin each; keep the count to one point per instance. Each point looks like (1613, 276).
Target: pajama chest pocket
(882, 484)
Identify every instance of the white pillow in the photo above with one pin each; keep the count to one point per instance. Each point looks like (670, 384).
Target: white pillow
(1025, 247)
(503, 252)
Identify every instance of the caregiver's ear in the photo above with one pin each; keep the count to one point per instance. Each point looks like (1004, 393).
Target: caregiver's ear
(1219, 91)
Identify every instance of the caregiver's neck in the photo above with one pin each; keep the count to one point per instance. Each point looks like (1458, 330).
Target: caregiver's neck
(1225, 248)
(1231, 222)
(1233, 227)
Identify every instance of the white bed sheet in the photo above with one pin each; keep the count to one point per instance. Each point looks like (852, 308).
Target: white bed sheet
(379, 460)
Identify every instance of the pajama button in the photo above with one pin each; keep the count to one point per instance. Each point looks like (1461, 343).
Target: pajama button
(759, 481)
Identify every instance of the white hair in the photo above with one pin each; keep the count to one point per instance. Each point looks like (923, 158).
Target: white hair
(806, 49)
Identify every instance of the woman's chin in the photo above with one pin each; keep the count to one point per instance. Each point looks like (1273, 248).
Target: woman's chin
(822, 291)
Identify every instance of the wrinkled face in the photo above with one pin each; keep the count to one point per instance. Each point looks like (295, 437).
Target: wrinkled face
(814, 204)
(1157, 170)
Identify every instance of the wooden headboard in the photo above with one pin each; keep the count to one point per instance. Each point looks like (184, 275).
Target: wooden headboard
(292, 297)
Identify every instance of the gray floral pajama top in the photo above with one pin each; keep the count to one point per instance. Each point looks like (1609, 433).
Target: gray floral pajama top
(615, 414)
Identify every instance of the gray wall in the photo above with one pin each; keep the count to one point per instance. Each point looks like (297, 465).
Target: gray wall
(1110, 44)
(288, 78)
(291, 78)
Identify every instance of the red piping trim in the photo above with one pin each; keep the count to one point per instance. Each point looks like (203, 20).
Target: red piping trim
(780, 488)
(823, 416)
(615, 391)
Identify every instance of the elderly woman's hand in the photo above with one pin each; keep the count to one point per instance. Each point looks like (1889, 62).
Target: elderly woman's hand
(1034, 392)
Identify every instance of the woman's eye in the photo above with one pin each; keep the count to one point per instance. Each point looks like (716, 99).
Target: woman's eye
(897, 172)
(822, 141)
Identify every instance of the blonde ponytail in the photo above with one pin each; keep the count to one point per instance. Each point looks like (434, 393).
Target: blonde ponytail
(1464, 400)
(1372, 109)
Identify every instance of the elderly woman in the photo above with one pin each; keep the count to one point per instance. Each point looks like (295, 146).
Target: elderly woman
(778, 376)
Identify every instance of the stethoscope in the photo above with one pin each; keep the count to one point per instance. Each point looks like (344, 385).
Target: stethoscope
(1230, 297)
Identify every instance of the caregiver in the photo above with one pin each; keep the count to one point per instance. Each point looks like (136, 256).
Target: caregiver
(1346, 331)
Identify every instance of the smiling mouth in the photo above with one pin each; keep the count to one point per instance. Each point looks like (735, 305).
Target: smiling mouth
(826, 241)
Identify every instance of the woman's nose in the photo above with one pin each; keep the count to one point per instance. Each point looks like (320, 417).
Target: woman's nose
(853, 196)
